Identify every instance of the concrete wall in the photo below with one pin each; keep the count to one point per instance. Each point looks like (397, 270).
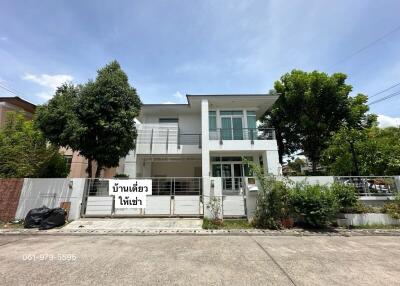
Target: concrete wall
(367, 219)
(10, 190)
(51, 192)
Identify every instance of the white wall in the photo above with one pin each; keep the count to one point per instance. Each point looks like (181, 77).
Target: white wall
(51, 192)
(188, 122)
(312, 180)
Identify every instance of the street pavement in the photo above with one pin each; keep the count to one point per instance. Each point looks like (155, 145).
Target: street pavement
(199, 260)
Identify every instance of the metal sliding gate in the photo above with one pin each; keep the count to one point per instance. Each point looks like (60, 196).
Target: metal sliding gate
(171, 197)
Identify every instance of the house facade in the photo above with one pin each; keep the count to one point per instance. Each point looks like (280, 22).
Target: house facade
(206, 138)
(194, 152)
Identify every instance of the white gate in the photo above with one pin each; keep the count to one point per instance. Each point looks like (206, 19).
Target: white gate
(171, 197)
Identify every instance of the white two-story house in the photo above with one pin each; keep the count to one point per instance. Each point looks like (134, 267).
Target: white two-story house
(195, 151)
(207, 137)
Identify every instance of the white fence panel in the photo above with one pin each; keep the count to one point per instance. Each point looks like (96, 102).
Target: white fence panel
(233, 206)
(187, 205)
(99, 206)
(51, 193)
(158, 205)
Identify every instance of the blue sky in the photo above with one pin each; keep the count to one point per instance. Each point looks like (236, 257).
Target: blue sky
(170, 48)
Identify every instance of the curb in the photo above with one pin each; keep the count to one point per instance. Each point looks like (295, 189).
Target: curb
(200, 232)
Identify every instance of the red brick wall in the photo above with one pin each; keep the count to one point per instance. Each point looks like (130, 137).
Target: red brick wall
(10, 190)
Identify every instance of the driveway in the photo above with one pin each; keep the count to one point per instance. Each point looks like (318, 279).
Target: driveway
(136, 224)
(195, 260)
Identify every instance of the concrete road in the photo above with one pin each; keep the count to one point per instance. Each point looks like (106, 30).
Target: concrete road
(199, 260)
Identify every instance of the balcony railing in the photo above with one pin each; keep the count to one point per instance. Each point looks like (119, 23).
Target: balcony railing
(252, 134)
(163, 138)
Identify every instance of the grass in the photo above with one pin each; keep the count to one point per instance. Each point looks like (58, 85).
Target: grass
(227, 224)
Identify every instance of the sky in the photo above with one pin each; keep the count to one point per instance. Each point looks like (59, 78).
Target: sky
(172, 48)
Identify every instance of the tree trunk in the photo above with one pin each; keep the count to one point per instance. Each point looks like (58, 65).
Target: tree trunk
(98, 170)
(89, 169)
(314, 166)
(281, 146)
(355, 159)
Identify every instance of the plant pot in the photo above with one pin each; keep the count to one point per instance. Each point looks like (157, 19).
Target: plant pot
(287, 222)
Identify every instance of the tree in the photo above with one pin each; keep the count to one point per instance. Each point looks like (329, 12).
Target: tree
(296, 165)
(311, 106)
(364, 152)
(24, 151)
(96, 119)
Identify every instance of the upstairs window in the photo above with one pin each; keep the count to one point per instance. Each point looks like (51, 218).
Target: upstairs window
(212, 120)
(251, 120)
(231, 112)
(168, 120)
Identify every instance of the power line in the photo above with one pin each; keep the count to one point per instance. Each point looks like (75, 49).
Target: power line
(10, 90)
(366, 47)
(385, 98)
(382, 91)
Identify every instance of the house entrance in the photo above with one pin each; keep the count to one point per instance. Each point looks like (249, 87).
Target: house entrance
(232, 170)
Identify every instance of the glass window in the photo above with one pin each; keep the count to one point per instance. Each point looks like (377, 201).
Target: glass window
(251, 120)
(231, 112)
(215, 159)
(168, 120)
(212, 120)
(216, 170)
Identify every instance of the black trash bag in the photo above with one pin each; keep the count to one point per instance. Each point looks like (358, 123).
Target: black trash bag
(35, 217)
(55, 218)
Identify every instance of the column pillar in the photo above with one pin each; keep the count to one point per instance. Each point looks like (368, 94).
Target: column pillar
(205, 151)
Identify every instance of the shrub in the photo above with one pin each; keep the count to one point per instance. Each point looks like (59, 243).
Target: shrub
(273, 203)
(392, 208)
(215, 207)
(314, 205)
(346, 197)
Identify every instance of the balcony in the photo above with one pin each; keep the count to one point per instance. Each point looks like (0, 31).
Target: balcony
(252, 134)
(166, 139)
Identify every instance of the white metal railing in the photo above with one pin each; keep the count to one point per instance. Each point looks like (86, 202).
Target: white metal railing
(165, 136)
(252, 134)
(371, 185)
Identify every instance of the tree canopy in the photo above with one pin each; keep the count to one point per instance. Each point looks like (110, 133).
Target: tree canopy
(310, 108)
(364, 152)
(24, 151)
(96, 118)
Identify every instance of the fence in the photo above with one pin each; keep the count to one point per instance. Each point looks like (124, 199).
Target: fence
(371, 185)
(170, 197)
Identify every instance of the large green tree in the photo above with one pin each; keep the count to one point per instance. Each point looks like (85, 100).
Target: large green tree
(310, 108)
(364, 152)
(96, 119)
(24, 151)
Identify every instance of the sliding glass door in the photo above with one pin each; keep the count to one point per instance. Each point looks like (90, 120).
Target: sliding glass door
(231, 125)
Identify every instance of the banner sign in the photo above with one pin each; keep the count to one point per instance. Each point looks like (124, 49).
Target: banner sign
(130, 193)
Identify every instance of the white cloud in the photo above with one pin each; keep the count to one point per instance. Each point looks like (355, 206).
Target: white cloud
(387, 121)
(50, 82)
(178, 95)
(169, 102)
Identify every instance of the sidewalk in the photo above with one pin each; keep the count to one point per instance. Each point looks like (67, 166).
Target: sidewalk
(89, 230)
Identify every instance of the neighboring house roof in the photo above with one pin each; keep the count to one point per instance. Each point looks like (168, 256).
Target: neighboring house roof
(19, 102)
